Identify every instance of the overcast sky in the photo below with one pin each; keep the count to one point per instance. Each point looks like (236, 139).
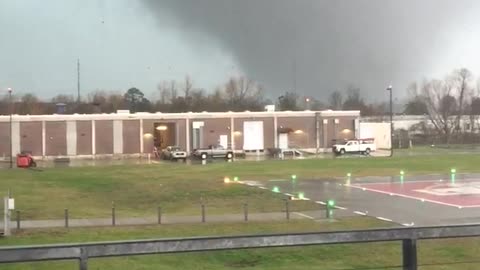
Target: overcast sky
(311, 46)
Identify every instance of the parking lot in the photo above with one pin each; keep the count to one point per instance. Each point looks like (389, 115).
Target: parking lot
(416, 201)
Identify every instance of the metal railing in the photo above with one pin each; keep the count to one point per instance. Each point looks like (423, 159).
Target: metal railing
(82, 252)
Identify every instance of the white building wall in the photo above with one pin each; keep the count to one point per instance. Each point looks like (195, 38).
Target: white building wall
(71, 138)
(379, 131)
(118, 137)
(15, 138)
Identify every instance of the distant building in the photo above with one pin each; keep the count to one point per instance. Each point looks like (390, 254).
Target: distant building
(97, 135)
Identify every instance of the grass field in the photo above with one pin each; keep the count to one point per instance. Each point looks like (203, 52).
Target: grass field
(358, 256)
(138, 189)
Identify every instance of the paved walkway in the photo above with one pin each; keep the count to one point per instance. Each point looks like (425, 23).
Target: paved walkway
(168, 219)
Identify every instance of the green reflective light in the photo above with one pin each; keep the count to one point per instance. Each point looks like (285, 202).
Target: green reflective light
(301, 196)
(276, 190)
(402, 172)
(331, 203)
(453, 170)
(349, 175)
(236, 179)
(294, 176)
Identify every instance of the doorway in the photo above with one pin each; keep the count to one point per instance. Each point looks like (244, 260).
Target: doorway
(283, 140)
(164, 135)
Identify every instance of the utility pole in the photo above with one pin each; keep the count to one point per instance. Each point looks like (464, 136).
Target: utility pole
(11, 124)
(294, 71)
(78, 80)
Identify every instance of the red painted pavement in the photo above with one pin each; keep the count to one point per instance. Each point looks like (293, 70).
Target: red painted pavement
(460, 194)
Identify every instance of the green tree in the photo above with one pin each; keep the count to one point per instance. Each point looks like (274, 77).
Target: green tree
(134, 98)
(288, 102)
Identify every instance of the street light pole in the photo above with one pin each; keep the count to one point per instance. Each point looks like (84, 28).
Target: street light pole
(390, 89)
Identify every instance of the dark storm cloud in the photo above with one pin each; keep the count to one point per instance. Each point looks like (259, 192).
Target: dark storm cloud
(369, 43)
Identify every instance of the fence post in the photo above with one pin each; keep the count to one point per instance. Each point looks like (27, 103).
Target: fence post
(409, 252)
(203, 213)
(113, 213)
(287, 209)
(18, 219)
(245, 211)
(159, 212)
(65, 213)
(83, 259)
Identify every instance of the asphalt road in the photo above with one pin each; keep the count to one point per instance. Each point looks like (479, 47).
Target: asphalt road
(401, 210)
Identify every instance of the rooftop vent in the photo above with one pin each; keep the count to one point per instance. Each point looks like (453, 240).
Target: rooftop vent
(270, 108)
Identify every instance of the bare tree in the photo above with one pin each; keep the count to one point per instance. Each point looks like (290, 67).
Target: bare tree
(441, 105)
(354, 100)
(30, 104)
(61, 98)
(462, 82)
(243, 93)
(187, 87)
(336, 100)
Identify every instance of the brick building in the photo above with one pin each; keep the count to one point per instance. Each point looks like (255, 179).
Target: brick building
(97, 135)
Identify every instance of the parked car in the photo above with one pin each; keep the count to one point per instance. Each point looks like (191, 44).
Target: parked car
(213, 151)
(363, 146)
(174, 153)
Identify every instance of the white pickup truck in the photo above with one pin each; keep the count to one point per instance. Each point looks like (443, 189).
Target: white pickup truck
(364, 146)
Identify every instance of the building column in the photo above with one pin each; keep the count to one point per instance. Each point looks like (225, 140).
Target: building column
(317, 132)
(335, 131)
(15, 133)
(71, 138)
(275, 131)
(187, 136)
(141, 137)
(94, 137)
(325, 134)
(357, 128)
(117, 136)
(44, 140)
(232, 133)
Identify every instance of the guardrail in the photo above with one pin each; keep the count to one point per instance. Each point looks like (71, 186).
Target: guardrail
(82, 252)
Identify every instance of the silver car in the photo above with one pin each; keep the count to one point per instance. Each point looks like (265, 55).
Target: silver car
(174, 153)
(213, 151)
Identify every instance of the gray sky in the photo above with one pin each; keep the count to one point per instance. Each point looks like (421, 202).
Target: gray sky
(323, 45)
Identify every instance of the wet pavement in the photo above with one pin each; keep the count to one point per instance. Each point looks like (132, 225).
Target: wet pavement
(136, 161)
(413, 210)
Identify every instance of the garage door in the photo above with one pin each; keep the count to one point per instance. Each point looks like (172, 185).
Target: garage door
(253, 135)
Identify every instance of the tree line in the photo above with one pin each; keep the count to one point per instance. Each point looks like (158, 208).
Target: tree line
(440, 99)
(447, 102)
(237, 94)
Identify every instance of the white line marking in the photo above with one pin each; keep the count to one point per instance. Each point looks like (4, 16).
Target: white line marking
(277, 180)
(360, 213)
(341, 208)
(385, 219)
(306, 199)
(410, 181)
(288, 194)
(414, 198)
(263, 187)
(408, 224)
(322, 203)
(303, 215)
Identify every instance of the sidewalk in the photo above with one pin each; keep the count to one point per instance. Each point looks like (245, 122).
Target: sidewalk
(169, 219)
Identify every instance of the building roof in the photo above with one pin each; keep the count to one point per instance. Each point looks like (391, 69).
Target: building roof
(189, 115)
